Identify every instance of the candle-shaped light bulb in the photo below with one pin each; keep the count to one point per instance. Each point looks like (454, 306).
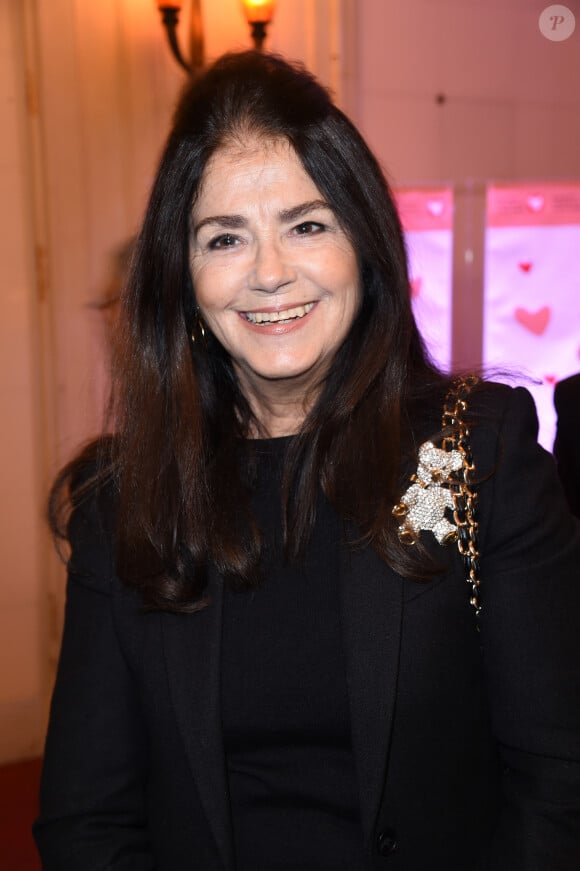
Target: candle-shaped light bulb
(259, 10)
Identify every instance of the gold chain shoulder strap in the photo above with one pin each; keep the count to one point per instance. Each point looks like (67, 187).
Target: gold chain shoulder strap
(462, 483)
(443, 487)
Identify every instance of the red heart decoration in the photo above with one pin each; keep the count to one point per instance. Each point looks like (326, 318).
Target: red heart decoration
(416, 285)
(525, 267)
(550, 379)
(535, 322)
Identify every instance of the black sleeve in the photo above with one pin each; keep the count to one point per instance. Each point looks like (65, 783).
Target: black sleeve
(92, 803)
(567, 443)
(530, 631)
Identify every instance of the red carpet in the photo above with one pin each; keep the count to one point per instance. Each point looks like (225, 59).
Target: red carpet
(18, 808)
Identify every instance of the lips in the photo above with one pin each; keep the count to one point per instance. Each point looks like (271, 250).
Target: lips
(279, 317)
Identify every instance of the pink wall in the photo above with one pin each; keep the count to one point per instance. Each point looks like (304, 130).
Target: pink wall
(512, 101)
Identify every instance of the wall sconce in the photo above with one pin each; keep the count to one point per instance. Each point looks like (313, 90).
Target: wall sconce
(170, 10)
(259, 14)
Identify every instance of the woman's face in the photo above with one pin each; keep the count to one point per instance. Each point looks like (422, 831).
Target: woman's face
(276, 279)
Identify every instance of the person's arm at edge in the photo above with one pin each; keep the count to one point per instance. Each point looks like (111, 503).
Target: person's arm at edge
(530, 629)
(92, 801)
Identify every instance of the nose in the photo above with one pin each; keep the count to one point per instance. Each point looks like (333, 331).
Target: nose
(271, 269)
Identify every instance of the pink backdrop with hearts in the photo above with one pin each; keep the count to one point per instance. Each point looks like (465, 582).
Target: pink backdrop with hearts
(427, 216)
(532, 288)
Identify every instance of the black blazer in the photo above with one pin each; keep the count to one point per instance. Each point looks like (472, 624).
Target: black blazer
(567, 444)
(467, 743)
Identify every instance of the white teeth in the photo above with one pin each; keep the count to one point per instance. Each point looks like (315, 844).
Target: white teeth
(277, 317)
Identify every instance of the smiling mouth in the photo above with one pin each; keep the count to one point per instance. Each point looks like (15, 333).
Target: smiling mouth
(282, 317)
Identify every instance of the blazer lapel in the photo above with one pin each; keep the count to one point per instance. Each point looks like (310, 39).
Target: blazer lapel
(371, 609)
(192, 645)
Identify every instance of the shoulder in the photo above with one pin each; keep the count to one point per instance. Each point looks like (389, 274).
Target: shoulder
(492, 400)
(486, 401)
(82, 510)
(516, 478)
(523, 511)
(568, 390)
(496, 414)
(90, 533)
(499, 413)
(504, 427)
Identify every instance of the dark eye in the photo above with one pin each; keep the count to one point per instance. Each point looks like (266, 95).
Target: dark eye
(224, 241)
(307, 228)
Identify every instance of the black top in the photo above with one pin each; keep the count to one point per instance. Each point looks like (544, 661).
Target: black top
(285, 712)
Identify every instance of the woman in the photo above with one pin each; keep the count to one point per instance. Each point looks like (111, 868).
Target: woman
(257, 672)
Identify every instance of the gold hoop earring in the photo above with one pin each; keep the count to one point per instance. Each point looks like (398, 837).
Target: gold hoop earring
(198, 327)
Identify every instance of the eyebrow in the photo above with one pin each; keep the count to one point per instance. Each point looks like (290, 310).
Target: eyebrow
(297, 212)
(235, 222)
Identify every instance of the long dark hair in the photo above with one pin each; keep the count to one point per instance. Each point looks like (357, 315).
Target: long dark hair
(182, 501)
